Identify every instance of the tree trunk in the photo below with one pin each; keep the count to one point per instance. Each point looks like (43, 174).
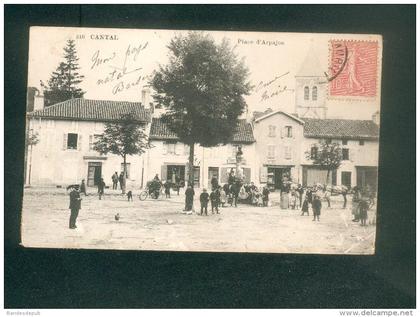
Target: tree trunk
(191, 165)
(328, 176)
(125, 174)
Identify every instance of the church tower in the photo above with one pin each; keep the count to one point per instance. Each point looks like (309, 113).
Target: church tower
(311, 89)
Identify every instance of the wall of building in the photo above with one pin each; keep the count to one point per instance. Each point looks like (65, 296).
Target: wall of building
(54, 164)
(222, 157)
(310, 82)
(279, 141)
(359, 155)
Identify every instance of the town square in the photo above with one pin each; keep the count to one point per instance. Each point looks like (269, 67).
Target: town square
(202, 150)
(161, 224)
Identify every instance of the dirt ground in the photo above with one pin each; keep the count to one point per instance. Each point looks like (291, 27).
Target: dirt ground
(161, 225)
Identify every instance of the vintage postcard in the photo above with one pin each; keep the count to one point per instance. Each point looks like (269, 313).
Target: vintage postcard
(208, 141)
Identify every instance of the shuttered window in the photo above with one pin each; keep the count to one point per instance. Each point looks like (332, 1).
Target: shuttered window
(345, 154)
(271, 131)
(306, 93)
(288, 131)
(314, 93)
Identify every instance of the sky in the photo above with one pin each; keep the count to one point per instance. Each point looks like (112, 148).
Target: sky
(273, 60)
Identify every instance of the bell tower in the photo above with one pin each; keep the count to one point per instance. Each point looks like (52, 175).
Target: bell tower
(311, 89)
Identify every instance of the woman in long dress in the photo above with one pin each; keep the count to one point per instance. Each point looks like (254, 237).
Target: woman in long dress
(284, 193)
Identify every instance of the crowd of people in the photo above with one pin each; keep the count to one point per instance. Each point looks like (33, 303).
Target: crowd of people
(292, 196)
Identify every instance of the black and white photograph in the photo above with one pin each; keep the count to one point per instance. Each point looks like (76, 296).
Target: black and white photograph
(143, 139)
(185, 156)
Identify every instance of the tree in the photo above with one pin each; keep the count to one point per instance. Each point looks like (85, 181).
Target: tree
(327, 155)
(202, 88)
(124, 137)
(64, 81)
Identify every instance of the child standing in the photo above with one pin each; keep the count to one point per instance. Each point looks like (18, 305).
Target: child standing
(83, 187)
(316, 207)
(204, 200)
(222, 196)
(363, 208)
(293, 198)
(214, 199)
(101, 188)
(265, 193)
(306, 202)
(327, 196)
(167, 186)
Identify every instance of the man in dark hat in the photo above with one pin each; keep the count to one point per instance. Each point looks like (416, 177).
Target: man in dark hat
(75, 205)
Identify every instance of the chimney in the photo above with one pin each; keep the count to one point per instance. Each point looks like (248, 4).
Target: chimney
(145, 96)
(376, 118)
(38, 101)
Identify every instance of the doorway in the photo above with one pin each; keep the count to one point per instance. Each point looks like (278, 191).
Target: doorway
(346, 179)
(94, 173)
(367, 176)
(174, 173)
(277, 174)
(213, 172)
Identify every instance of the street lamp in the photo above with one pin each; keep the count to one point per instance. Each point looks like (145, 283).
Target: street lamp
(239, 155)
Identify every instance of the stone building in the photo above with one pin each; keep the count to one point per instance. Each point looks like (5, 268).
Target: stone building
(67, 131)
(168, 157)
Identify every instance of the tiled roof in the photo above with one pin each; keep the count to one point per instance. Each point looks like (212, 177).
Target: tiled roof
(242, 134)
(92, 110)
(160, 131)
(339, 128)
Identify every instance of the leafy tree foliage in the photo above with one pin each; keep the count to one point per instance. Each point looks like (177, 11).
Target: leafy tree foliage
(202, 88)
(64, 81)
(124, 137)
(32, 139)
(328, 155)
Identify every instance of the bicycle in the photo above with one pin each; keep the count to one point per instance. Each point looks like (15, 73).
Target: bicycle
(145, 193)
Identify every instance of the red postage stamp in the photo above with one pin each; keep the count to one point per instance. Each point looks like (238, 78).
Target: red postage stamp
(354, 68)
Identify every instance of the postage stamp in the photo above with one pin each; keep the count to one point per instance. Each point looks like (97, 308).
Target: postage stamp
(354, 68)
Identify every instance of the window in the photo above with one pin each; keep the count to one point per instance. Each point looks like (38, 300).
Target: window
(92, 140)
(306, 93)
(127, 165)
(314, 93)
(314, 152)
(234, 150)
(288, 152)
(328, 141)
(271, 131)
(345, 153)
(271, 153)
(361, 142)
(72, 141)
(288, 130)
(344, 142)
